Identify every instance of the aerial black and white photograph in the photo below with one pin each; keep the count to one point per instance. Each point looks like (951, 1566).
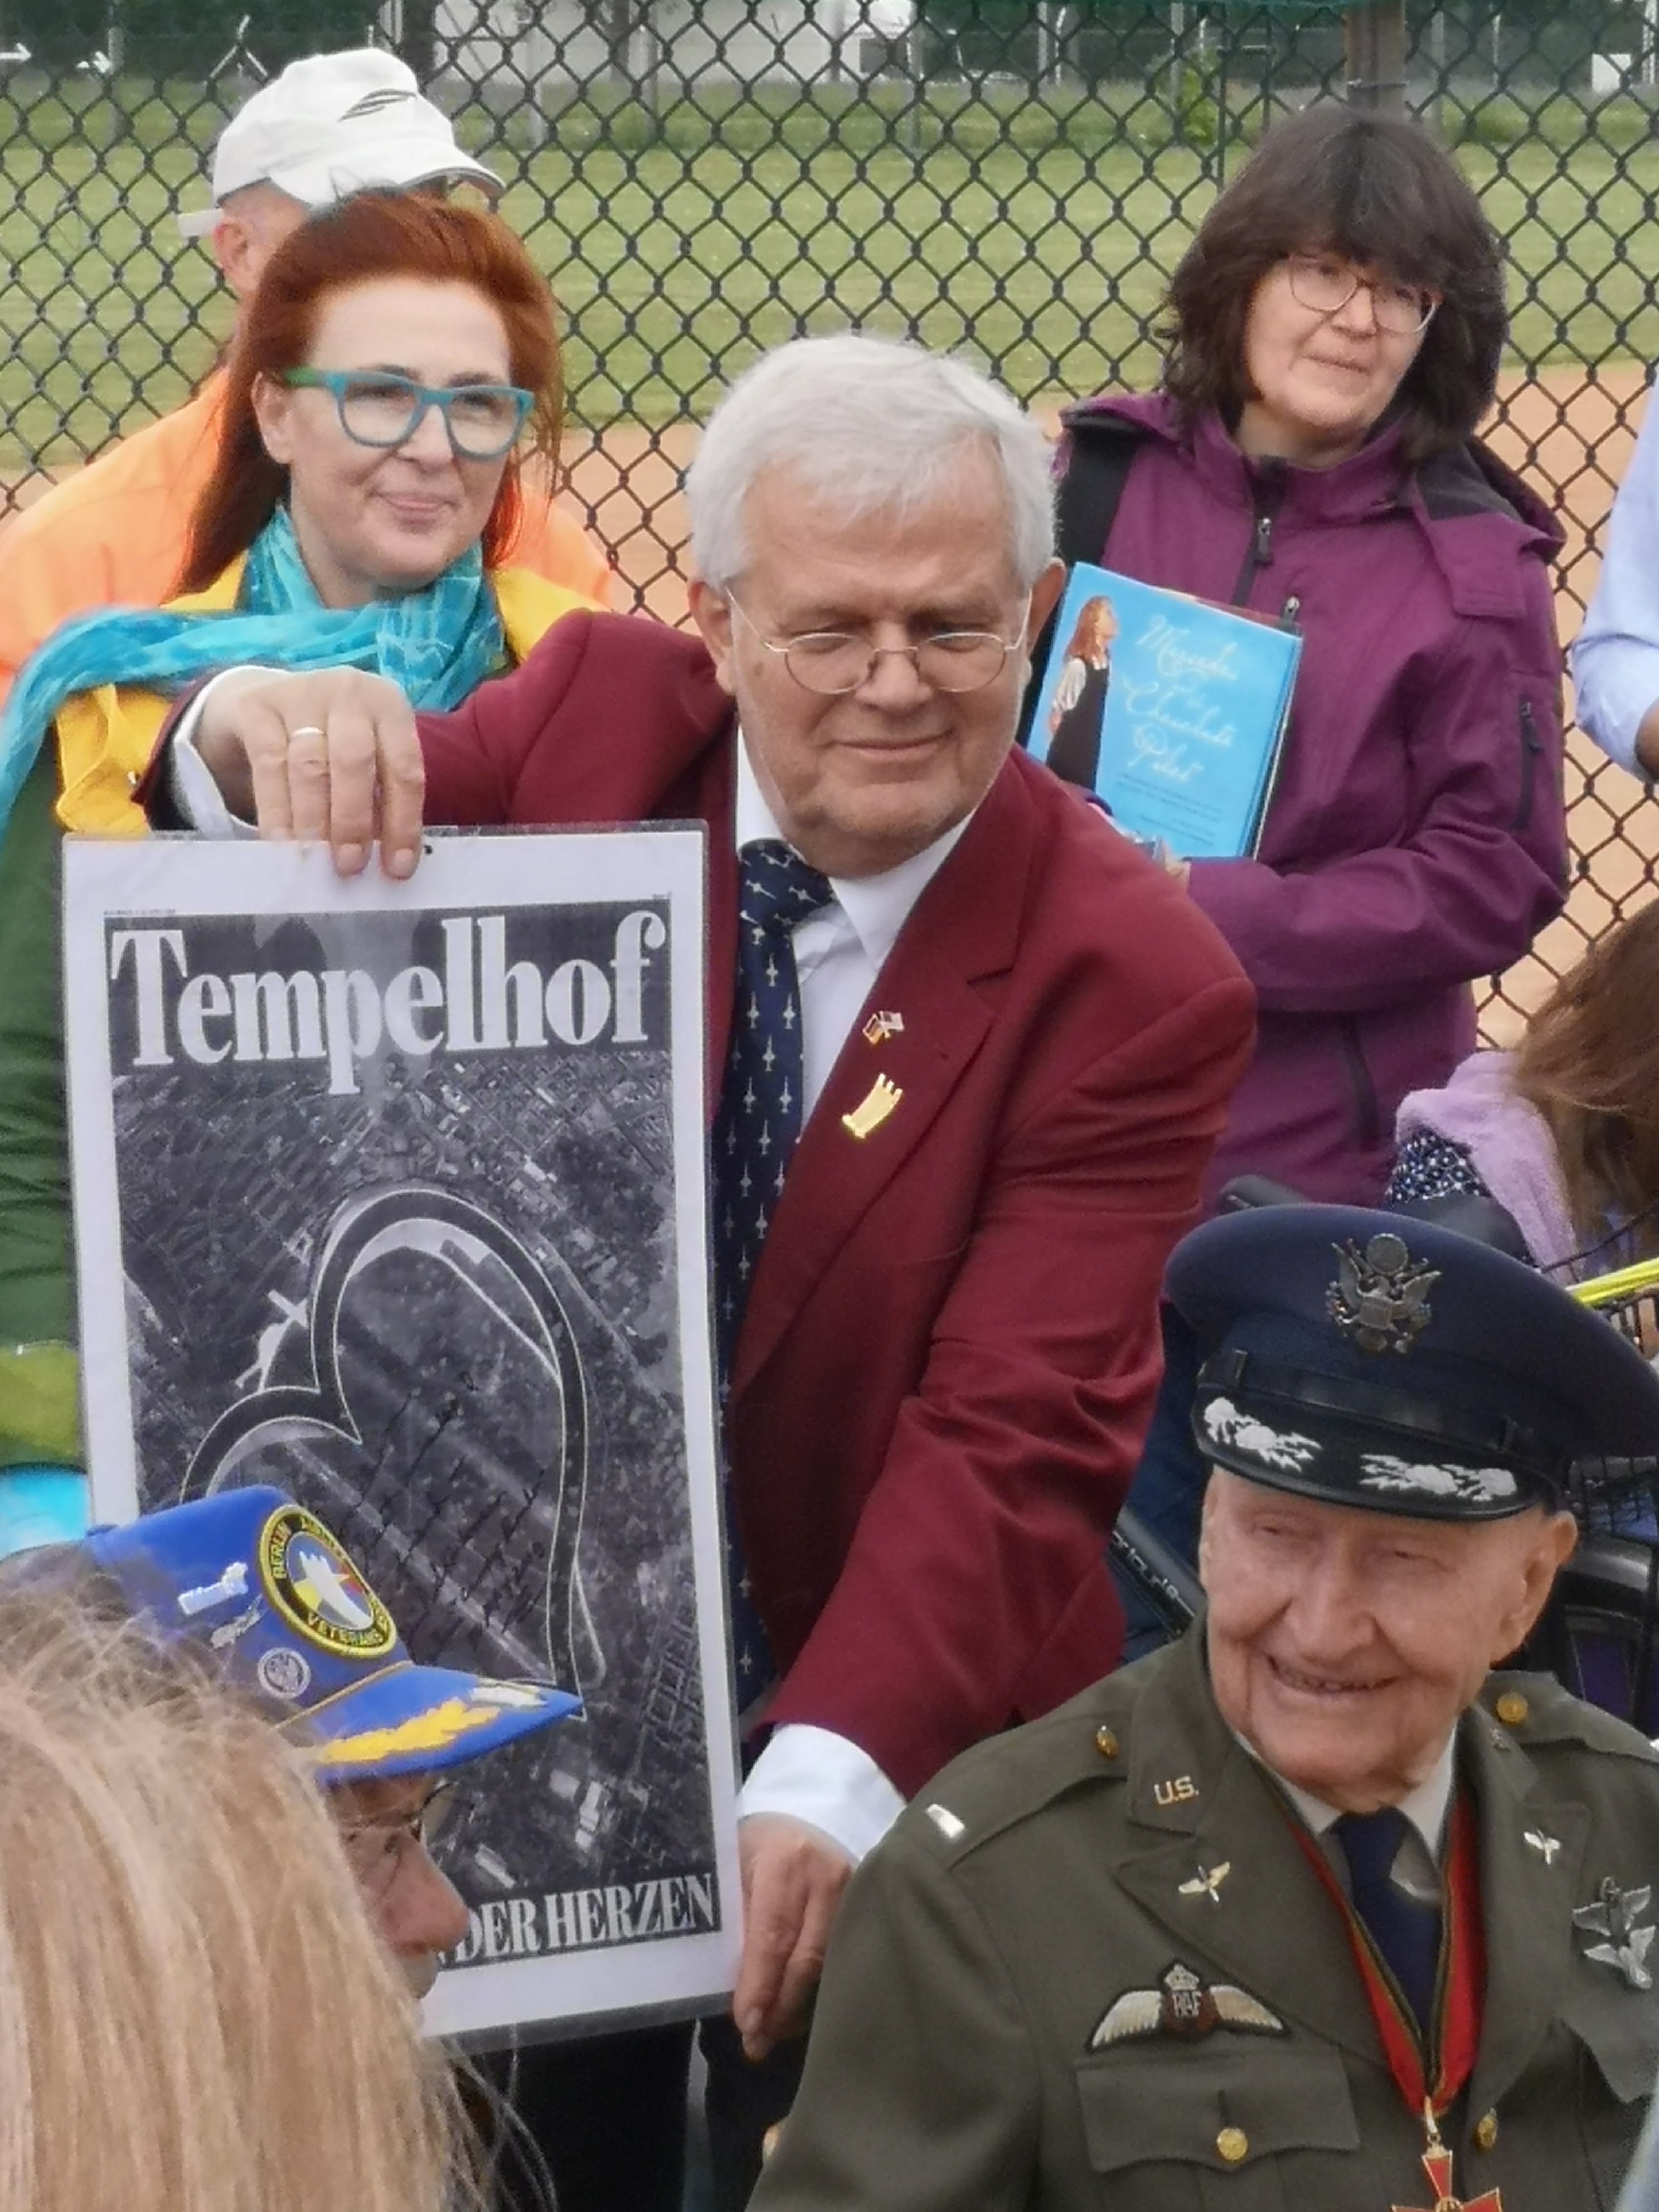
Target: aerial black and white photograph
(390, 1195)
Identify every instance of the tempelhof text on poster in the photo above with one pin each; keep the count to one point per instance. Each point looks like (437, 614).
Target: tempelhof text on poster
(392, 1194)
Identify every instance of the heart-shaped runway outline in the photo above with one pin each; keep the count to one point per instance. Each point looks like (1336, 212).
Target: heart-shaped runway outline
(422, 1217)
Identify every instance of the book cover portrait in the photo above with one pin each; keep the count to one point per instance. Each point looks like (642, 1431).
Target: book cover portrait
(1171, 710)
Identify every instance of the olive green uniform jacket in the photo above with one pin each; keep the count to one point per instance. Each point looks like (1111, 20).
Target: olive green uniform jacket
(1053, 1872)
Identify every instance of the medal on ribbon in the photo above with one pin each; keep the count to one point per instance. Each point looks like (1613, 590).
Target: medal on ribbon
(1437, 2165)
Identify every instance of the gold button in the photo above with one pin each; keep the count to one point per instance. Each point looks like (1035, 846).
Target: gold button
(1233, 2144)
(1485, 2131)
(1511, 1709)
(1105, 1743)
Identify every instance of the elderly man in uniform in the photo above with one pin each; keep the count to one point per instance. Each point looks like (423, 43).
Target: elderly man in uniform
(1309, 1910)
(267, 1597)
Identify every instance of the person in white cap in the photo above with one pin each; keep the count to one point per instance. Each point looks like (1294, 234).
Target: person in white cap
(114, 533)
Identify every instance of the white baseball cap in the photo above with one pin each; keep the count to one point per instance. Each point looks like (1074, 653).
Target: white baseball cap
(333, 125)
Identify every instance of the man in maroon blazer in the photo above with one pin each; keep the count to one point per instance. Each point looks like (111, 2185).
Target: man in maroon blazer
(1018, 1038)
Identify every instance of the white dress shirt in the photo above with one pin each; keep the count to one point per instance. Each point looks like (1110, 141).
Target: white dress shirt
(811, 1773)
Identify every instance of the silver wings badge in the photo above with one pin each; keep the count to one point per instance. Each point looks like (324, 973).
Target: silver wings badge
(1613, 1916)
(1186, 2006)
(1381, 1296)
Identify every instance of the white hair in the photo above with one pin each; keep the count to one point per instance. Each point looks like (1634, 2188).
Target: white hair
(867, 425)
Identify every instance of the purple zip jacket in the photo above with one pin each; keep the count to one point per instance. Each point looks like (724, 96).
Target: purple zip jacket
(1415, 839)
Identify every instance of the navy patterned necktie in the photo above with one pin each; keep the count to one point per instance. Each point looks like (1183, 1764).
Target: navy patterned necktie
(1405, 1929)
(755, 1126)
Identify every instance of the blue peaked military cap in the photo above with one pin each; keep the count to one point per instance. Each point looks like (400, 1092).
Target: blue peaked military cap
(1371, 1360)
(271, 1597)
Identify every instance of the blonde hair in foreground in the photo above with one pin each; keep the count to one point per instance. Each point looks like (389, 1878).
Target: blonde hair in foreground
(195, 2014)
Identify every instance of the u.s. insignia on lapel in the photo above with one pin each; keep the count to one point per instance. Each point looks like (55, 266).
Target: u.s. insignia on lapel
(882, 1025)
(1184, 2006)
(1614, 1917)
(873, 1110)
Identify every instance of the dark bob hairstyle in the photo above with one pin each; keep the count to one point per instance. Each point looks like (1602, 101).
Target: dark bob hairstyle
(1375, 189)
(370, 235)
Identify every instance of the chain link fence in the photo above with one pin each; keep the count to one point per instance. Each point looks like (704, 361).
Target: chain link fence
(702, 178)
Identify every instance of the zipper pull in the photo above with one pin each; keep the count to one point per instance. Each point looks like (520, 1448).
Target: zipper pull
(1289, 613)
(1264, 539)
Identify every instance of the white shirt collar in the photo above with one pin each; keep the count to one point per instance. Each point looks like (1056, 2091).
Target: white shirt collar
(878, 907)
(1425, 1807)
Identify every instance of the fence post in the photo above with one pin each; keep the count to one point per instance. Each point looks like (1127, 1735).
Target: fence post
(1374, 40)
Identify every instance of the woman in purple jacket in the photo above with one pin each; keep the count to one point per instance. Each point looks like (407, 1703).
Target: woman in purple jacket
(1335, 330)
(1334, 333)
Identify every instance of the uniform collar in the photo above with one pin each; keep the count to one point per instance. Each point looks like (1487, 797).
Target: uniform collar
(1425, 1807)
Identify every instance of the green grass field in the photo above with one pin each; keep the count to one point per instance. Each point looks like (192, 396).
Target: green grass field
(1037, 239)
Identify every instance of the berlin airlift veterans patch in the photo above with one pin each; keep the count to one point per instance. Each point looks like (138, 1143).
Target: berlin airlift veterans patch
(313, 1587)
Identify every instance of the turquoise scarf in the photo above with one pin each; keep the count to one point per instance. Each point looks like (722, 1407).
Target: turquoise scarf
(438, 644)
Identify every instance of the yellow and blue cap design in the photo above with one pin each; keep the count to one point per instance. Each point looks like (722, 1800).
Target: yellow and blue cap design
(272, 1595)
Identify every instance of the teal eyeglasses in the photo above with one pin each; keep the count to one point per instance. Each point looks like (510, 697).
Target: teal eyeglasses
(378, 407)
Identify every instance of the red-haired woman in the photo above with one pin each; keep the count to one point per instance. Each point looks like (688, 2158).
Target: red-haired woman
(396, 365)
(1079, 706)
(397, 361)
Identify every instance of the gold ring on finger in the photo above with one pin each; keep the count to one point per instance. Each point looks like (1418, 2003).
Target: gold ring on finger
(308, 730)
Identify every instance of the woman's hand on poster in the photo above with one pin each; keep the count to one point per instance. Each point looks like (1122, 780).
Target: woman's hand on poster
(331, 756)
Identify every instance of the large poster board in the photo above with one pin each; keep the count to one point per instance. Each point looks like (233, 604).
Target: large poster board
(393, 1195)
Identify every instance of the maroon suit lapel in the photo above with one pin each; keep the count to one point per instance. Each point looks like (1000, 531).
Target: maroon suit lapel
(965, 927)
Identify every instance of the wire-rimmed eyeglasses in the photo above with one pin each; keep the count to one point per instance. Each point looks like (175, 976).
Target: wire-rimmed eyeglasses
(833, 662)
(377, 1848)
(1325, 282)
(379, 408)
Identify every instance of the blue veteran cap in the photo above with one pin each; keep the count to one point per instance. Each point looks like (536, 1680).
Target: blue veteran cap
(263, 1588)
(1375, 1361)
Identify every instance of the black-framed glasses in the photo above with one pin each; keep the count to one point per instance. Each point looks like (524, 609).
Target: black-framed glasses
(377, 1848)
(833, 662)
(1326, 283)
(379, 408)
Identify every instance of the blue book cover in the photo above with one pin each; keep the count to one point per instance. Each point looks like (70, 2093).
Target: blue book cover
(1172, 709)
